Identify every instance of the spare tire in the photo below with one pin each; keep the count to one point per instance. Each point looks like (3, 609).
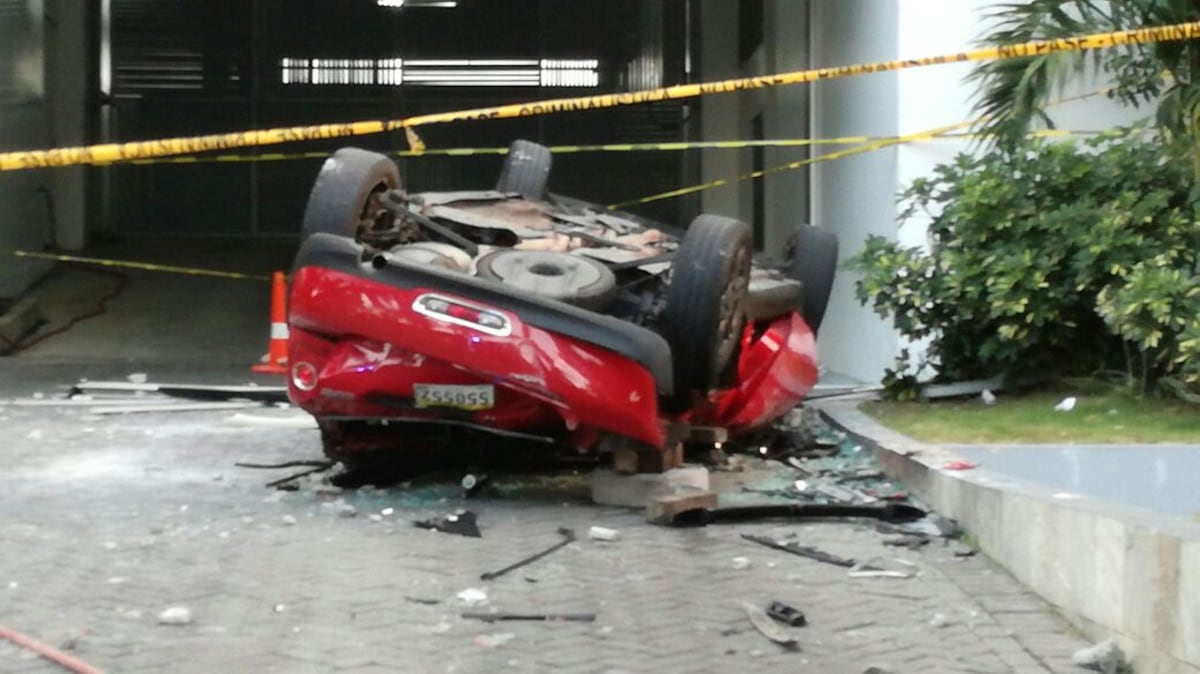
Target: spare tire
(341, 198)
(574, 279)
(812, 260)
(703, 318)
(526, 170)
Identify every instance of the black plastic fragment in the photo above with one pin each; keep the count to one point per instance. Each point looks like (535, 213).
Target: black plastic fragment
(462, 523)
(787, 615)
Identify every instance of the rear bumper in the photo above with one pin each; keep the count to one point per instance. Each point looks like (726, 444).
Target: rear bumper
(357, 324)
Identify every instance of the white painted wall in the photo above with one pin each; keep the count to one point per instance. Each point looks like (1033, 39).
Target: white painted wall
(854, 196)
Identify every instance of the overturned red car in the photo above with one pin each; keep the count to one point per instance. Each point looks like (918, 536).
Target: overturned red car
(513, 312)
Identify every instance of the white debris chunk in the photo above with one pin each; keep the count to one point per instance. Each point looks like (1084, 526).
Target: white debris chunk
(289, 520)
(1066, 404)
(35, 434)
(987, 397)
(603, 534)
(175, 615)
(493, 640)
(137, 378)
(473, 596)
(1105, 656)
(740, 563)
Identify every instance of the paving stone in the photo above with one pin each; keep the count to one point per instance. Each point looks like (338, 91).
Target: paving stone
(669, 598)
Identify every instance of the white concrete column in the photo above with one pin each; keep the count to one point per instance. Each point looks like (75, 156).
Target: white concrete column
(67, 77)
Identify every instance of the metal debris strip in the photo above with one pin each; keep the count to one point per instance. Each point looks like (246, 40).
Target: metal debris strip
(541, 617)
(802, 551)
(568, 538)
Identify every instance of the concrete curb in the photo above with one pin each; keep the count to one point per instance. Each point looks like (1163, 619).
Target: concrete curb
(1113, 571)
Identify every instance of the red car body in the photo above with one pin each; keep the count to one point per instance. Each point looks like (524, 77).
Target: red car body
(362, 342)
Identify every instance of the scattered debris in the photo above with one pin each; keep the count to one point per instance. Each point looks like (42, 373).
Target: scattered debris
(769, 628)
(493, 640)
(964, 550)
(932, 525)
(472, 484)
(461, 522)
(796, 549)
(603, 534)
(1066, 404)
(261, 394)
(740, 563)
(912, 542)
(175, 615)
(423, 601)
(883, 567)
(568, 538)
(959, 389)
(959, 465)
(171, 407)
(1105, 657)
(473, 596)
(542, 617)
(290, 421)
(787, 615)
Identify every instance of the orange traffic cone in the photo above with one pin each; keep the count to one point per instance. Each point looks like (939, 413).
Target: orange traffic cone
(275, 362)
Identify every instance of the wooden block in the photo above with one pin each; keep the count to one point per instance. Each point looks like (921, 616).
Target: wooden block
(662, 509)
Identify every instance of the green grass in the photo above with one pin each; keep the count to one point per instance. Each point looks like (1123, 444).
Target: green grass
(1103, 414)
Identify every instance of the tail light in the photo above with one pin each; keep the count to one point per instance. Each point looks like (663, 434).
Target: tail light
(304, 376)
(463, 313)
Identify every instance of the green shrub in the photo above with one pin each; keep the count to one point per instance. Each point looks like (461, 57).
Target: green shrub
(1061, 258)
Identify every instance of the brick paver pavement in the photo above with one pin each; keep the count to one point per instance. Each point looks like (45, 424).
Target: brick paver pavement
(105, 522)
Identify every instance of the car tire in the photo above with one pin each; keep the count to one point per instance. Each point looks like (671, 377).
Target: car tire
(526, 170)
(573, 279)
(813, 255)
(703, 317)
(342, 194)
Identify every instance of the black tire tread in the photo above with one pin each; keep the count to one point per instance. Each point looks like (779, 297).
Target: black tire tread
(692, 312)
(527, 176)
(338, 196)
(814, 265)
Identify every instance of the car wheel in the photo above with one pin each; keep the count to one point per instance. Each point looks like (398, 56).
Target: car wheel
(813, 254)
(574, 279)
(345, 192)
(526, 170)
(703, 318)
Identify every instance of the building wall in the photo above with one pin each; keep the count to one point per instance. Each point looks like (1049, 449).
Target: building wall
(43, 73)
(24, 219)
(855, 197)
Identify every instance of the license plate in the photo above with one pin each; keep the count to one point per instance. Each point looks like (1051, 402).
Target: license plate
(458, 396)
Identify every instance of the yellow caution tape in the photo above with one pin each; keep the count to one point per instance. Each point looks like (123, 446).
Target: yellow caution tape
(791, 166)
(145, 266)
(114, 152)
(576, 149)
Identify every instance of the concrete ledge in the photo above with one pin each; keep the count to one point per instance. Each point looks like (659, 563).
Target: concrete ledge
(1114, 571)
